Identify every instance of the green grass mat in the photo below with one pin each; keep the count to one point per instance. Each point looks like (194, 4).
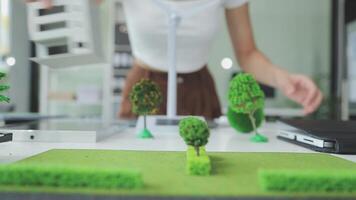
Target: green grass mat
(233, 174)
(197, 165)
(308, 180)
(69, 176)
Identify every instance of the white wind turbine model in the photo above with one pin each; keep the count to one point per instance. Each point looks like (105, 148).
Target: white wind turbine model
(175, 17)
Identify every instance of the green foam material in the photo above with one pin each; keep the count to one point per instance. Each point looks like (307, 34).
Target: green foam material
(258, 138)
(164, 173)
(308, 180)
(145, 134)
(241, 122)
(198, 165)
(191, 150)
(68, 177)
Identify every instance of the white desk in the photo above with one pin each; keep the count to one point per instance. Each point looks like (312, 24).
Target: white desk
(223, 138)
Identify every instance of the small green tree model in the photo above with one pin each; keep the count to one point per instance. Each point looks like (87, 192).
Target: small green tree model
(3, 88)
(195, 132)
(245, 96)
(145, 98)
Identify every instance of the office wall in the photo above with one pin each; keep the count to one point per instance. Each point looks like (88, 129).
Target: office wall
(294, 34)
(351, 62)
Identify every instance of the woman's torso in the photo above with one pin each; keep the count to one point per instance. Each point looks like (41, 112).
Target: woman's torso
(148, 29)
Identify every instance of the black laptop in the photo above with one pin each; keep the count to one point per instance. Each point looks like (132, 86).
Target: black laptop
(320, 135)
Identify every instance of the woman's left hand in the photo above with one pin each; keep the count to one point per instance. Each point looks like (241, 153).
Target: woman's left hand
(302, 90)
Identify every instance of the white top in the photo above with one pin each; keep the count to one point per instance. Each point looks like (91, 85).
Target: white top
(148, 26)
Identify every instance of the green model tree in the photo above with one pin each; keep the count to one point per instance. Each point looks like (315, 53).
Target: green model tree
(3, 88)
(246, 97)
(145, 98)
(195, 132)
(241, 122)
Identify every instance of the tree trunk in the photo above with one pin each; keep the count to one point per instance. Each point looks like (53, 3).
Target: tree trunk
(144, 122)
(253, 122)
(197, 150)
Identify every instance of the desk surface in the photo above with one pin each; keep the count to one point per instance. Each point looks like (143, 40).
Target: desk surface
(223, 139)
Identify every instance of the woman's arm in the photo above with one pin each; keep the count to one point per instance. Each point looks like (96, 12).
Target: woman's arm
(298, 88)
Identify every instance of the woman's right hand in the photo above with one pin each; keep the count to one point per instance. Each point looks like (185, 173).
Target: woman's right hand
(46, 3)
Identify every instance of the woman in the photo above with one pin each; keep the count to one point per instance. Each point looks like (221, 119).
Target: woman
(147, 26)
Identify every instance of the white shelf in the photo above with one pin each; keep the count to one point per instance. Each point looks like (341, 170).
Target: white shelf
(113, 72)
(284, 112)
(122, 47)
(109, 100)
(74, 103)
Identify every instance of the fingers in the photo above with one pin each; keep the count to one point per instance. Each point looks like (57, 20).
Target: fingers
(314, 104)
(298, 94)
(46, 3)
(311, 90)
(305, 93)
(313, 97)
(290, 88)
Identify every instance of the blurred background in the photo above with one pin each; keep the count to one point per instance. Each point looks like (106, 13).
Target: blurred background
(317, 38)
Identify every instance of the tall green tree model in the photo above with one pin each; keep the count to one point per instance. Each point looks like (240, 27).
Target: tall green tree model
(195, 132)
(241, 121)
(3, 88)
(246, 97)
(145, 98)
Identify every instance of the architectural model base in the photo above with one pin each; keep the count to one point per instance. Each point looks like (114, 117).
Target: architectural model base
(69, 130)
(235, 175)
(160, 124)
(145, 134)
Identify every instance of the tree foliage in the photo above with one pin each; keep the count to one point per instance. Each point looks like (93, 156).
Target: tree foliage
(245, 95)
(3, 88)
(145, 97)
(241, 121)
(194, 131)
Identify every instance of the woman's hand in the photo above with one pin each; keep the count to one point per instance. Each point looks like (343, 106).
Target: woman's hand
(48, 3)
(300, 89)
